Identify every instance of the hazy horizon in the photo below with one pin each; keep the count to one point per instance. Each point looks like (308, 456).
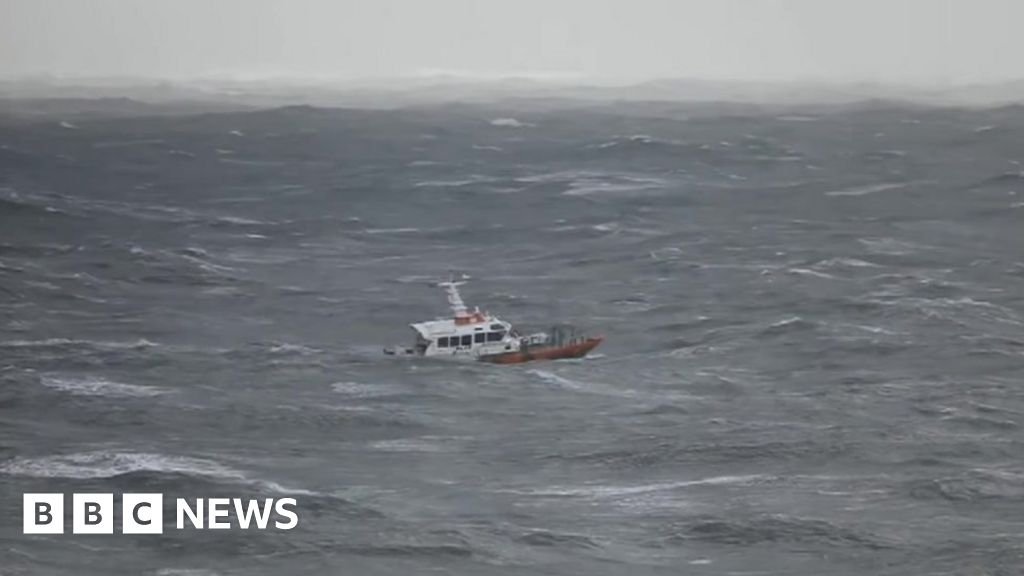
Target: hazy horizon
(455, 77)
(915, 42)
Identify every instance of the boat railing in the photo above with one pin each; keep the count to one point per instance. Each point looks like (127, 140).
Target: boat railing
(559, 335)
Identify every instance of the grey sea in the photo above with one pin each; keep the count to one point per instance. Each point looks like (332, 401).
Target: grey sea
(813, 321)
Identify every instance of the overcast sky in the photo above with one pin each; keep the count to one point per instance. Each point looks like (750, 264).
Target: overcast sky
(613, 40)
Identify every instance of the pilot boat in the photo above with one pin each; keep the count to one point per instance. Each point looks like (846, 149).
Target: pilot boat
(477, 335)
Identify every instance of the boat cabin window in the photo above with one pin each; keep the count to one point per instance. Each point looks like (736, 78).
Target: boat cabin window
(467, 340)
(442, 342)
(479, 338)
(497, 327)
(495, 336)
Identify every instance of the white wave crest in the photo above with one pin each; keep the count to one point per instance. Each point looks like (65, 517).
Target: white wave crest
(869, 189)
(58, 342)
(95, 386)
(422, 444)
(359, 390)
(107, 464)
(586, 387)
(809, 272)
(510, 123)
(603, 491)
(286, 348)
(845, 262)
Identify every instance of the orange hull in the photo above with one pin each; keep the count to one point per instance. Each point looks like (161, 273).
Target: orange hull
(576, 350)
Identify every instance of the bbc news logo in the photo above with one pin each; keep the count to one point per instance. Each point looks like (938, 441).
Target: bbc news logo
(144, 513)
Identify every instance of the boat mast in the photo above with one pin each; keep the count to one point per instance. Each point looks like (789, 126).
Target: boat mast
(454, 298)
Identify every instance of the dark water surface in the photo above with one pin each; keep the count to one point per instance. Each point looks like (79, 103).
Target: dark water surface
(813, 360)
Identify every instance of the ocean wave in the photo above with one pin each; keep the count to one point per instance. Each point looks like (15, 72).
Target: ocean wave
(840, 262)
(191, 265)
(43, 250)
(787, 325)
(151, 212)
(13, 202)
(141, 343)
(979, 422)
(547, 538)
(510, 123)
(471, 180)
(109, 464)
(411, 550)
(809, 272)
(616, 185)
(1004, 179)
(239, 221)
(797, 118)
(971, 486)
(360, 390)
(299, 349)
(773, 529)
(96, 386)
(606, 491)
(590, 182)
(889, 246)
(103, 464)
(661, 452)
(199, 259)
(635, 139)
(424, 444)
(406, 230)
(579, 386)
(867, 189)
(957, 309)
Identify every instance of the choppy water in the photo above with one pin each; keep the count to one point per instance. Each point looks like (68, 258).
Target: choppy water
(814, 322)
